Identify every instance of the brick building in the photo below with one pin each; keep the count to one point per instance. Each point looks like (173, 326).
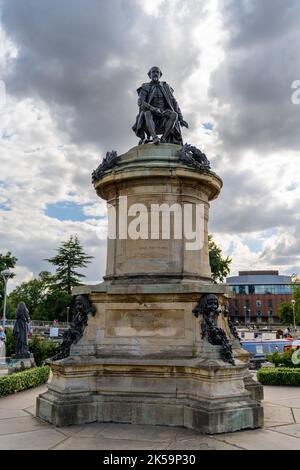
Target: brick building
(258, 295)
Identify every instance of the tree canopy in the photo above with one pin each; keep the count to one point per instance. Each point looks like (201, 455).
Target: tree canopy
(220, 266)
(70, 255)
(7, 261)
(285, 310)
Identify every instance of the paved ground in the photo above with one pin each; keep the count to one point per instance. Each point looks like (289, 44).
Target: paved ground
(19, 429)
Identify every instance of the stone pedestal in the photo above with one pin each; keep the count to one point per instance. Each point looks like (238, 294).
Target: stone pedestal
(17, 364)
(141, 359)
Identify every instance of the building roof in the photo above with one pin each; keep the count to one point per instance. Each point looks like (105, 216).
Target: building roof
(258, 277)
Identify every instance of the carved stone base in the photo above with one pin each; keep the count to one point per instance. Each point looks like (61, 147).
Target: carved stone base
(17, 365)
(175, 393)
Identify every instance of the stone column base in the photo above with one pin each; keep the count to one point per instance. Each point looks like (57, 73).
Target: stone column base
(186, 393)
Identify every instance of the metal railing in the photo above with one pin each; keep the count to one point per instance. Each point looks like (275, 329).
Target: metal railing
(40, 323)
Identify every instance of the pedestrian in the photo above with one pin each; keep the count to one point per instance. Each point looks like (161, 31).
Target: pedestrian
(2, 345)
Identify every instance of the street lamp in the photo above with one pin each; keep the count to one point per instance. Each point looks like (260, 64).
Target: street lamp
(294, 318)
(68, 309)
(5, 274)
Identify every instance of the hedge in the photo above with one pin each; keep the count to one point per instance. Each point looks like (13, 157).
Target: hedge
(279, 376)
(24, 380)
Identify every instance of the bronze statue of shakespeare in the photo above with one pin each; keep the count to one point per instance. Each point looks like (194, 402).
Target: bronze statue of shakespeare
(159, 112)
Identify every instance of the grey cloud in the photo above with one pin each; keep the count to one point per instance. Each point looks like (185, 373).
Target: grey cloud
(85, 58)
(244, 205)
(261, 62)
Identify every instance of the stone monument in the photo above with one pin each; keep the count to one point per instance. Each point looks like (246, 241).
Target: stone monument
(155, 345)
(22, 359)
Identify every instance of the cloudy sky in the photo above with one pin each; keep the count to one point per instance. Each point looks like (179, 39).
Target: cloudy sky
(71, 68)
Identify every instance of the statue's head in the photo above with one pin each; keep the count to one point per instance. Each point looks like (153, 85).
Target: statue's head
(22, 310)
(155, 73)
(209, 304)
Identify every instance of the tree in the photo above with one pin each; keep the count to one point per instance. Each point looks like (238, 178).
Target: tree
(44, 300)
(219, 265)
(285, 309)
(7, 261)
(285, 313)
(33, 293)
(54, 306)
(70, 255)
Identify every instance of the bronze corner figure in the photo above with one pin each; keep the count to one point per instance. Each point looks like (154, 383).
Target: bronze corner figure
(159, 112)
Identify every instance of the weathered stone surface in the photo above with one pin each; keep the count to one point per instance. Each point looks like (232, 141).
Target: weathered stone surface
(155, 176)
(141, 359)
(208, 399)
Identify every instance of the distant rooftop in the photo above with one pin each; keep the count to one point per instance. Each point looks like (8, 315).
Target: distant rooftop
(259, 273)
(259, 278)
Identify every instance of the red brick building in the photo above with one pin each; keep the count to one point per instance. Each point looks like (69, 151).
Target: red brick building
(258, 295)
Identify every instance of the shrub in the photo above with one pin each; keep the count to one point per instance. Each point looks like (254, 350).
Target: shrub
(282, 359)
(279, 376)
(42, 349)
(24, 380)
(10, 342)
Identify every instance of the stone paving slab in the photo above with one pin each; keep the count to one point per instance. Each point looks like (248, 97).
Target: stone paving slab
(290, 429)
(94, 443)
(135, 432)
(43, 439)
(275, 415)
(11, 413)
(20, 424)
(261, 439)
(201, 443)
(296, 413)
(19, 429)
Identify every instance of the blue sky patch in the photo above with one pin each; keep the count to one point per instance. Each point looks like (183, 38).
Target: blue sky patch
(208, 126)
(4, 206)
(67, 210)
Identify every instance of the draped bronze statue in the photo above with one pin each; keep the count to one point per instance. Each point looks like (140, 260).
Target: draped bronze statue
(20, 332)
(159, 112)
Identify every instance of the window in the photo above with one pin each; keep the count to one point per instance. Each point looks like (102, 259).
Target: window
(270, 303)
(251, 289)
(258, 303)
(243, 290)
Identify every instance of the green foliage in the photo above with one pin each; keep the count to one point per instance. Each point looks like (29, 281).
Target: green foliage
(42, 349)
(7, 261)
(24, 380)
(279, 376)
(220, 267)
(283, 359)
(10, 342)
(70, 255)
(285, 309)
(33, 293)
(285, 313)
(55, 306)
(42, 298)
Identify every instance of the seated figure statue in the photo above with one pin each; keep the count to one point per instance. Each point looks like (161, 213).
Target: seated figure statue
(159, 112)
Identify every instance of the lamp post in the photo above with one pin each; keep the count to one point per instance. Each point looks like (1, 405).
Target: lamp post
(245, 310)
(68, 309)
(5, 274)
(294, 317)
